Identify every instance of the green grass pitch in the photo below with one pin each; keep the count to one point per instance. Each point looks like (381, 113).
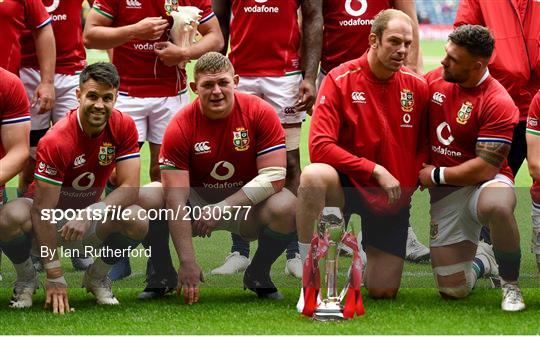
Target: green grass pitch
(225, 308)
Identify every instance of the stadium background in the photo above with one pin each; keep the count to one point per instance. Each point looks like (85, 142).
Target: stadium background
(225, 308)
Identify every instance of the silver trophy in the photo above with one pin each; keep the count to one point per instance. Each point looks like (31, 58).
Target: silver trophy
(331, 226)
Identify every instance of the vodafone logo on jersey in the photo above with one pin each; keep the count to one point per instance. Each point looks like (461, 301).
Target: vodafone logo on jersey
(262, 8)
(144, 46)
(84, 181)
(358, 97)
(444, 134)
(356, 7)
(223, 170)
(202, 147)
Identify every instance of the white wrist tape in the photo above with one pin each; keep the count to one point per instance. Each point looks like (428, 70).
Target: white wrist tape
(441, 175)
(433, 176)
(59, 280)
(260, 187)
(51, 265)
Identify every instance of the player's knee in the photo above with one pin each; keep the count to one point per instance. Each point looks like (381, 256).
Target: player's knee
(12, 219)
(136, 227)
(313, 175)
(151, 196)
(382, 294)
(282, 208)
(454, 281)
(499, 210)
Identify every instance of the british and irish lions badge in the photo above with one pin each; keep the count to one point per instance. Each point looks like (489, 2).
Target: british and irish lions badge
(320, 297)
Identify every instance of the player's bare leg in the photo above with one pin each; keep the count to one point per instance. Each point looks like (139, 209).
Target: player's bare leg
(154, 172)
(15, 229)
(496, 206)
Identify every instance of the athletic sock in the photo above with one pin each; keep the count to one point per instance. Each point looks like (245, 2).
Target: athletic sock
(271, 246)
(160, 263)
(17, 250)
(509, 263)
(303, 249)
(292, 248)
(239, 245)
(478, 266)
(99, 269)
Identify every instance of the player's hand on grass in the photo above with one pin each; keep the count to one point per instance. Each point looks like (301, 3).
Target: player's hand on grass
(189, 277)
(170, 54)
(425, 176)
(56, 295)
(150, 28)
(44, 96)
(306, 96)
(389, 184)
(74, 230)
(204, 228)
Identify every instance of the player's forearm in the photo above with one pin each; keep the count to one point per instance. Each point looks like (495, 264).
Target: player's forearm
(46, 54)
(124, 195)
(180, 229)
(471, 172)
(212, 41)
(100, 37)
(13, 163)
(45, 234)
(533, 155)
(312, 23)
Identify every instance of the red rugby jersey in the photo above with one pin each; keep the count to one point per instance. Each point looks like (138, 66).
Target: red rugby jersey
(533, 128)
(360, 121)
(265, 37)
(221, 155)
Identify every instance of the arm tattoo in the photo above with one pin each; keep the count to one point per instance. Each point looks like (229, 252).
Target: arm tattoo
(493, 153)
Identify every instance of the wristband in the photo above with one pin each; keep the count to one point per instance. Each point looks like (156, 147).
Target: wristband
(441, 176)
(435, 176)
(58, 280)
(52, 265)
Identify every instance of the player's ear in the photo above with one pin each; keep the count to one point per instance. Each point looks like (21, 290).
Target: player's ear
(193, 86)
(372, 40)
(78, 94)
(236, 80)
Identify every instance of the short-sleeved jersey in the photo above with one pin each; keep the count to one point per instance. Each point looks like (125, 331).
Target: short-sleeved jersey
(14, 106)
(460, 117)
(142, 74)
(533, 128)
(68, 157)
(15, 16)
(221, 155)
(67, 27)
(265, 37)
(347, 24)
(360, 121)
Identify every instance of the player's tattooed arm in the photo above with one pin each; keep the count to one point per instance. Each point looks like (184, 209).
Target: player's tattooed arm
(494, 153)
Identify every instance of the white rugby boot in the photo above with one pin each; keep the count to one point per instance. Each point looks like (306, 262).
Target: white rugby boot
(100, 288)
(23, 290)
(234, 263)
(415, 251)
(484, 252)
(512, 298)
(294, 266)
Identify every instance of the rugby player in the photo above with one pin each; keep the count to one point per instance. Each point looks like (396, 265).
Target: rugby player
(365, 148)
(282, 71)
(14, 131)
(471, 121)
(70, 60)
(229, 148)
(351, 21)
(533, 160)
(74, 161)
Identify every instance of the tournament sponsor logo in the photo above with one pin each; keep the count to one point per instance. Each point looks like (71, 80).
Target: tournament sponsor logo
(41, 167)
(407, 100)
(51, 170)
(79, 161)
(53, 6)
(358, 97)
(359, 7)
(434, 230)
(84, 181)
(464, 113)
(241, 139)
(106, 154)
(167, 162)
(222, 170)
(406, 121)
(532, 122)
(202, 147)
(144, 46)
(322, 99)
(438, 98)
(133, 4)
(444, 134)
(170, 6)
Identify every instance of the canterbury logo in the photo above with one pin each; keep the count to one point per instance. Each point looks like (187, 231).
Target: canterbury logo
(438, 97)
(133, 4)
(79, 161)
(358, 97)
(201, 147)
(356, 12)
(444, 140)
(222, 166)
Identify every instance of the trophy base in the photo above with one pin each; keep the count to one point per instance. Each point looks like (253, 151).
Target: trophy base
(328, 312)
